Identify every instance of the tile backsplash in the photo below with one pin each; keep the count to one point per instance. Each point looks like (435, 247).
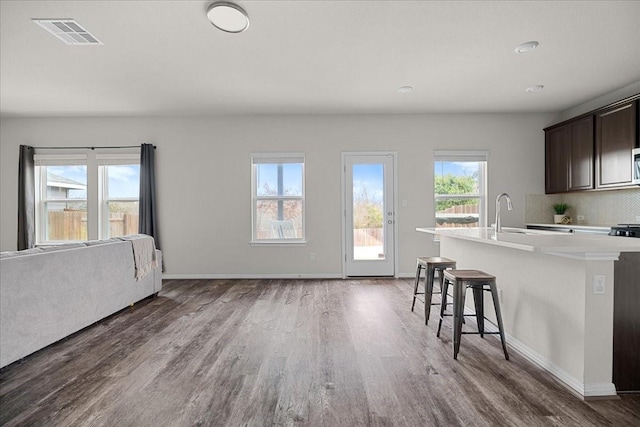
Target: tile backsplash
(598, 207)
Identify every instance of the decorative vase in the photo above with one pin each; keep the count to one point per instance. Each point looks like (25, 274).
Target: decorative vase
(558, 219)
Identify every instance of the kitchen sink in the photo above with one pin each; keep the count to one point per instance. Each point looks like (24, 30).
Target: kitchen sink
(524, 231)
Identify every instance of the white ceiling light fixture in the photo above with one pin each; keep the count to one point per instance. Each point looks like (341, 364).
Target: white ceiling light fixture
(526, 47)
(228, 17)
(536, 88)
(405, 89)
(68, 30)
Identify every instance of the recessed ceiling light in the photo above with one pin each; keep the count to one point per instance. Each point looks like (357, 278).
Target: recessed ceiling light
(68, 30)
(536, 88)
(526, 47)
(228, 17)
(405, 89)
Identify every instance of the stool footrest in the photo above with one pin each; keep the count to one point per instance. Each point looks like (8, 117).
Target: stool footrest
(449, 314)
(478, 333)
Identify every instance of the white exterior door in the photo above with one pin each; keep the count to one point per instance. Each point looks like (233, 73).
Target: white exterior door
(369, 214)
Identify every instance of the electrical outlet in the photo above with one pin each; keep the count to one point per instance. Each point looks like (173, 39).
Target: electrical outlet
(598, 285)
(312, 256)
(580, 217)
(500, 296)
(637, 218)
(404, 203)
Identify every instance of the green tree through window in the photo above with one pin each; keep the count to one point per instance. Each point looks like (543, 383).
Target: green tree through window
(460, 188)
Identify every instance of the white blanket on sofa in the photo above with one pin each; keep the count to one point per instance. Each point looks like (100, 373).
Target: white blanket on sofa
(144, 253)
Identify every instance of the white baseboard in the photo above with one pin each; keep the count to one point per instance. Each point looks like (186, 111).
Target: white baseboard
(255, 276)
(268, 276)
(583, 390)
(600, 390)
(407, 275)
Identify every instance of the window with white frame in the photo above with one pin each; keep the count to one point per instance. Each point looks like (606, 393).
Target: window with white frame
(119, 177)
(277, 197)
(86, 196)
(460, 188)
(61, 198)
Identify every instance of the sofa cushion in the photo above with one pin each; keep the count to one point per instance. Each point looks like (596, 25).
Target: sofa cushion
(102, 242)
(62, 247)
(8, 254)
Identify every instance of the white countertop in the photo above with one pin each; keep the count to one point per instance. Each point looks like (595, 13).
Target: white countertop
(582, 246)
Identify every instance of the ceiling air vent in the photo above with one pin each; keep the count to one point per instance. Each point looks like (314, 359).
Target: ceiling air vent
(68, 30)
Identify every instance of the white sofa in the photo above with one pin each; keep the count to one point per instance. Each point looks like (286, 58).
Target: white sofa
(47, 294)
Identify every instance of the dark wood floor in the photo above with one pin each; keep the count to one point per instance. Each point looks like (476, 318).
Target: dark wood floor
(286, 352)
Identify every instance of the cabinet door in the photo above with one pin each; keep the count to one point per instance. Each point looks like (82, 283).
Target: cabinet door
(557, 160)
(615, 138)
(581, 156)
(626, 322)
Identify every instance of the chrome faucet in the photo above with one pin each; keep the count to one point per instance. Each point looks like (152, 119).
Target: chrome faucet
(509, 206)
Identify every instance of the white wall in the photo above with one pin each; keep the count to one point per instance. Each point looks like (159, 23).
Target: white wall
(601, 101)
(204, 177)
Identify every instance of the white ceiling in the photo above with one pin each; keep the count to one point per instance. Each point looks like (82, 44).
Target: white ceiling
(343, 57)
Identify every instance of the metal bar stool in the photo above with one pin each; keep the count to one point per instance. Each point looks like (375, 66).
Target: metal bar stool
(479, 282)
(430, 264)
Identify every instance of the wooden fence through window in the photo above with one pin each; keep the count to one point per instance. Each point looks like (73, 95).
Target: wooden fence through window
(368, 236)
(72, 225)
(458, 211)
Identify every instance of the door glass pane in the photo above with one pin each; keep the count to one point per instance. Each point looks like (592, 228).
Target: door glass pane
(66, 220)
(368, 212)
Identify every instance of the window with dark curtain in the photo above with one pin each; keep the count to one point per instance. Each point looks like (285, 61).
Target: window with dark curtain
(148, 220)
(26, 199)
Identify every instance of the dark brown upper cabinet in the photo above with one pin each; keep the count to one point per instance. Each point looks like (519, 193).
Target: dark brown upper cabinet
(569, 156)
(556, 150)
(616, 136)
(594, 150)
(581, 155)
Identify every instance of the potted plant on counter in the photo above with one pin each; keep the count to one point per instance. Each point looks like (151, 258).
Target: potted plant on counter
(560, 217)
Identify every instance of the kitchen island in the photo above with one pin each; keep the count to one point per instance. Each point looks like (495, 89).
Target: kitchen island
(556, 293)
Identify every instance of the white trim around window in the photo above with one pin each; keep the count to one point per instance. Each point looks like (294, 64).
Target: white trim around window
(92, 207)
(278, 198)
(52, 201)
(450, 159)
(104, 161)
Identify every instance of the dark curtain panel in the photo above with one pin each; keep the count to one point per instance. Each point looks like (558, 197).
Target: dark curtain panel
(148, 221)
(26, 199)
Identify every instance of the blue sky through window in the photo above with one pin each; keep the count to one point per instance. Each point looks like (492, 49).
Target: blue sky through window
(75, 173)
(124, 180)
(267, 178)
(456, 168)
(370, 178)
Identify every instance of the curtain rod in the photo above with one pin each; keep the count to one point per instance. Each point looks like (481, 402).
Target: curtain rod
(86, 148)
